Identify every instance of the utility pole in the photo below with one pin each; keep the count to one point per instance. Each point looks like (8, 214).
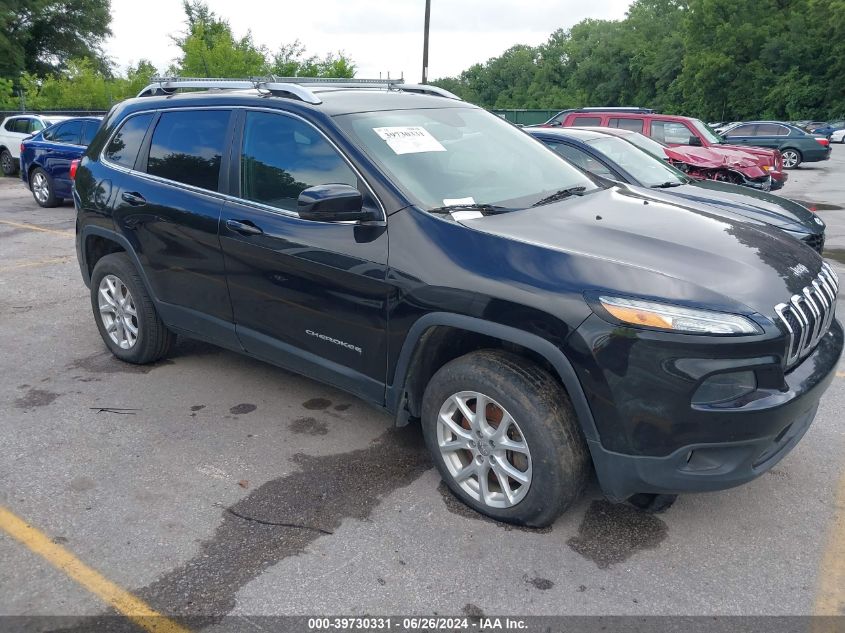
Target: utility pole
(425, 41)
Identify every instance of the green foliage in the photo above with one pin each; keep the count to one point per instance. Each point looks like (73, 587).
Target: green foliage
(715, 59)
(43, 36)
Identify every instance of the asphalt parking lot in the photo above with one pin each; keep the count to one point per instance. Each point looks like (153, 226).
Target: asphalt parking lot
(211, 483)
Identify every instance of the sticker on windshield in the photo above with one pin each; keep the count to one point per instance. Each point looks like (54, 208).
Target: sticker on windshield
(450, 202)
(409, 139)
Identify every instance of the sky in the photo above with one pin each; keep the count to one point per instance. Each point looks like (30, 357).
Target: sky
(380, 36)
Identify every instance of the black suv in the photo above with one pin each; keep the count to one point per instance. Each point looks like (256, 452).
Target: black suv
(439, 263)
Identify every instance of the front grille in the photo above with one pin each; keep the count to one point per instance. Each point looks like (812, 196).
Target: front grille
(808, 315)
(816, 242)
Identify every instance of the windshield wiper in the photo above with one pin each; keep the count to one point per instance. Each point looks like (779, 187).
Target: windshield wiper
(560, 195)
(667, 184)
(486, 209)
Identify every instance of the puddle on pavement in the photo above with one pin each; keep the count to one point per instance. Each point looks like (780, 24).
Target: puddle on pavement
(36, 398)
(611, 533)
(283, 516)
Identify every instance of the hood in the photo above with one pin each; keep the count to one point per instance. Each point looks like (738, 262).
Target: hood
(626, 241)
(751, 203)
(763, 154)
(709, 156)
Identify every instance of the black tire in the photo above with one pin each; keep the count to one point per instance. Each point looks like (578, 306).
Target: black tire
(7, 163)
(559, 459)
(45, 197)
(154, 341)
(791, 151)
(652, 503)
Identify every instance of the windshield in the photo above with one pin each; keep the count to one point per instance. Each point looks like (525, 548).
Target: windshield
(461, 156)
(649, 170)
(706, 132)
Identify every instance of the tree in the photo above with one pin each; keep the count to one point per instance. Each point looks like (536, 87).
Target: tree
(43, 36)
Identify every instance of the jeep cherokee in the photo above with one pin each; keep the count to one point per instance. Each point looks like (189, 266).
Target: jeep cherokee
(439, 263)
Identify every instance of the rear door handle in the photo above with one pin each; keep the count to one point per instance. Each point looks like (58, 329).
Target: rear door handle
(133, 198)
(244, 227)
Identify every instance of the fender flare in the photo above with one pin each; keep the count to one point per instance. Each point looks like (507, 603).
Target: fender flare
(535, 343)
(116, 237)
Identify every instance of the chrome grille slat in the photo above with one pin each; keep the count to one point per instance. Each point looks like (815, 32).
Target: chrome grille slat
(808, 315)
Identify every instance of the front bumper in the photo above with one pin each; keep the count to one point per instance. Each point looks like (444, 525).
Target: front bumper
(651, 439)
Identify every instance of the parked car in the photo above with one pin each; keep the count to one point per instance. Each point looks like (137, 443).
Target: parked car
(794, 144)
(826, 129)
(46, 158)
(678, 131)
(13, 130)
(606, 152)
(838, 136)
(533, 318)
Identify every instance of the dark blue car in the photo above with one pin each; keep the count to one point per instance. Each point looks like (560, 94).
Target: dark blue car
(46, 158)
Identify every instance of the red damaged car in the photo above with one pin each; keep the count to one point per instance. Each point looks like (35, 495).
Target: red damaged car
(690, 145)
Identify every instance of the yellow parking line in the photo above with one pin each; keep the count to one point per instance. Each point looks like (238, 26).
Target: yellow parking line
(33, 227)
(830, 597)
(122, 601)
(37, 262)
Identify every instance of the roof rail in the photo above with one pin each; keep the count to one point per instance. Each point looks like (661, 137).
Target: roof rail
(297, 87)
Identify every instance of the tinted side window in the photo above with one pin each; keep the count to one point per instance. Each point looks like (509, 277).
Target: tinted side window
(188, 147)
(89, 130)
(22, 126)
(587, 121)
(670, 132)
(281, 156)
(124, 146)
(10, 125)
(68, 132)
(582, 160)
(635, 125)
(742, 130)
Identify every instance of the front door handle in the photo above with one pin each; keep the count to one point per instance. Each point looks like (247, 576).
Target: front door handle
(133, 198)
(244, 227)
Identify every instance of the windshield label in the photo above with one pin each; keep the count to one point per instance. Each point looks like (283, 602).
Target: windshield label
(409, 139)
(450, 202)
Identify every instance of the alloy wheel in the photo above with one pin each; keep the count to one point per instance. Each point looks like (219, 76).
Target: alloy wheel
(484, 449)
(40, 187)
(117, 311)
(790, 159)
(7, 163)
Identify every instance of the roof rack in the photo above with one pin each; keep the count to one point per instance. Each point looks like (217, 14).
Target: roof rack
(296, 87)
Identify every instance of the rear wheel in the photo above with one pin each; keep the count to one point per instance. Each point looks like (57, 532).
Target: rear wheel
(125, 314)
(7, 163)
(505, 438)
(791, 158)
(42, 188)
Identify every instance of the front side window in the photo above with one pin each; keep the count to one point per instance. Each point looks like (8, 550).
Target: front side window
(670, 132)
(582, 159)
(35, 126)
(187, 147)
(461, 155)
(586, 121)
(282, 156)
(634, 125)
(67, 133)
(123, 147)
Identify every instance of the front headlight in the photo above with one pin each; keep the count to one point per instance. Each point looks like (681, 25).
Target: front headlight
(676, 318)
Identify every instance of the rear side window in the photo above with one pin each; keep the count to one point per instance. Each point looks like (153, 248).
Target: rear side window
(10, 125)
(586, 121)
(89, 130)
(635, 125)
(67, 133)
(670, 132)
(771, 129)
(21, 126)
(123, 147)
(188, 147)
(282, 156)
(742, 130)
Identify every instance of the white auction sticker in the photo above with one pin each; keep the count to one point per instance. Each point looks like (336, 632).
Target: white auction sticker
(409, 139)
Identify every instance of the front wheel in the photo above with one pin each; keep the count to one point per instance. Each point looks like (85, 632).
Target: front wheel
(504, 437)
(791, 158)
(7, 163)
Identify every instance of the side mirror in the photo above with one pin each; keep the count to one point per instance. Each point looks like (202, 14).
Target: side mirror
(332, 203)
(694, 141)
